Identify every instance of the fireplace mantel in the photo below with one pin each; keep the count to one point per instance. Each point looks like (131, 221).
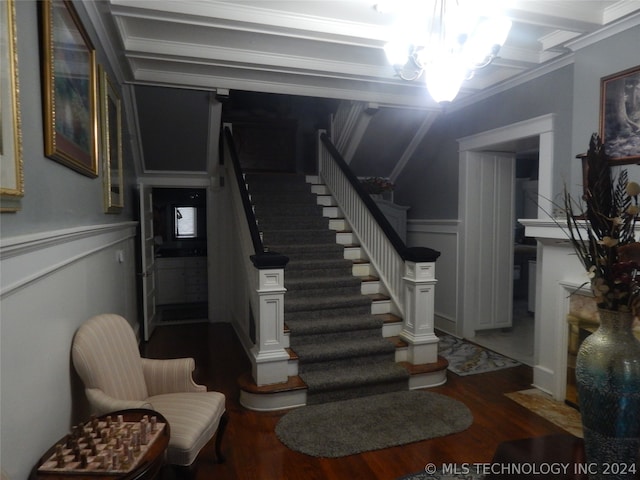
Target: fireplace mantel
(558, 274)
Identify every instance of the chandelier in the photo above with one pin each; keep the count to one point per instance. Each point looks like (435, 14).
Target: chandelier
(444, 42)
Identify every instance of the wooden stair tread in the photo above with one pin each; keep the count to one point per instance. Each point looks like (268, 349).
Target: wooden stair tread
(397, 341)
(389, 317)
(378, 297)
(360, 261)
(293, 383)
(439, 365)
(369, 278)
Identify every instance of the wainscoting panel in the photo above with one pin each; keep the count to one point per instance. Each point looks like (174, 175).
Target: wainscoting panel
(443, 236)
(51, 283)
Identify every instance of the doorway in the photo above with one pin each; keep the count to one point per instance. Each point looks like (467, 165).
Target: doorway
(480, 292)
(180, 252)
(517, 340)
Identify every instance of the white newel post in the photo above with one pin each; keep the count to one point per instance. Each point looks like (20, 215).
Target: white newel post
(270, 357)
(417, 330)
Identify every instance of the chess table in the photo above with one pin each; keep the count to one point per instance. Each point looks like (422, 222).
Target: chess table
(128, 445)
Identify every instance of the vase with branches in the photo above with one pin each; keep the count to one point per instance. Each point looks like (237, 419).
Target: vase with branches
(601, 229)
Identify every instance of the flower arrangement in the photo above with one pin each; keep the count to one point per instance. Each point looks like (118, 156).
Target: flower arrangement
(603, 234)
(377, 185)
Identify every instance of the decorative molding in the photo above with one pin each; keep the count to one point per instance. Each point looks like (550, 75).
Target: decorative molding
(28, 258)
(198, 13)
(616, 11)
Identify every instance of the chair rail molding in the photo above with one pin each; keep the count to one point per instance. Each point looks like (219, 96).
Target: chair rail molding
(25, 259)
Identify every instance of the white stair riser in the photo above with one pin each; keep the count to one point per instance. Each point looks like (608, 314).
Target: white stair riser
(292, 369)
(391, 329)
(331, 212)
(381, 306)
(345, 238)
(320, 190)
(338, 224)
(428, 380)
(371, 287)
(273, 402)
(326, 201)
(401, 354)
(362, 269)
(354, 253)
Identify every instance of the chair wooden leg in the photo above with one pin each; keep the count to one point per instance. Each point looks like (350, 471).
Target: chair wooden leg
(220, 433)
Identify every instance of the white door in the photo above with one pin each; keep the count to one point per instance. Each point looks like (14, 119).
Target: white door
(488, 218)
(148, 264)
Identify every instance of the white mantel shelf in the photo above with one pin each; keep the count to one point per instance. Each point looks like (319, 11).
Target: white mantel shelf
(548, 229)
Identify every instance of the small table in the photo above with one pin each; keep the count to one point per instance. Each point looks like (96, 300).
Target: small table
(147, 468)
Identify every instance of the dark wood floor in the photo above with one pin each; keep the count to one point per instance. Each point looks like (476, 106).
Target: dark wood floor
(254, 452)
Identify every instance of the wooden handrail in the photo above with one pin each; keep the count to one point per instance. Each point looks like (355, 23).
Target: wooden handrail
(261, 258)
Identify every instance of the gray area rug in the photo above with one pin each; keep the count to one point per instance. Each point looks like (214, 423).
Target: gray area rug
(358, 425)
(468, 359)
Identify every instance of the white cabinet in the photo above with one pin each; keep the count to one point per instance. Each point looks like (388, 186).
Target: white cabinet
(181, 280)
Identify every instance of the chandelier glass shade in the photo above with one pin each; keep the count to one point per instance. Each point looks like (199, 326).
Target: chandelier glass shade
(444, 42)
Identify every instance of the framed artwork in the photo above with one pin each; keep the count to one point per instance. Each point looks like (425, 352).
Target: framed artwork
(111, 144)
(620, 116)
(69, 79)
(11, 168)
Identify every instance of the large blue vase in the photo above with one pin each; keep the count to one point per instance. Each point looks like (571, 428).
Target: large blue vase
(608, 381)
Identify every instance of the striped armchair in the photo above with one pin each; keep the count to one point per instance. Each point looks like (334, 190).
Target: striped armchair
(106, 356)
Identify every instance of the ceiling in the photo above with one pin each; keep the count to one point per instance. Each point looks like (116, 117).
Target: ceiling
(325, 48)
(306, 56)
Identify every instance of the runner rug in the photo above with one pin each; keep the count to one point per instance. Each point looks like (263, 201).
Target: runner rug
(347, 427)
(466, 358)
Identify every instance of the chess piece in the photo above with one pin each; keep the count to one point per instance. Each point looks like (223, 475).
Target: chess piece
(60, 456)
(135, 441)
(144, 431)
(93, 447)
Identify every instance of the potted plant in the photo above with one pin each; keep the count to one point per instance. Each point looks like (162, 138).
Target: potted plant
(378, 187)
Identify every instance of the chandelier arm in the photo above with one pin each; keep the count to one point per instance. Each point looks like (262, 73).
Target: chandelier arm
(409, 78)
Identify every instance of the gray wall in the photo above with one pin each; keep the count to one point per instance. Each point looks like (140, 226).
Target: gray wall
(62, 261)
(572, 93)
(435, 162)
(55, 196)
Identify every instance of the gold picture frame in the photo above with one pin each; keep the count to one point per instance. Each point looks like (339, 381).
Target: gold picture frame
(620, 115)
(11, 167)
(69, 78)
(111, 144)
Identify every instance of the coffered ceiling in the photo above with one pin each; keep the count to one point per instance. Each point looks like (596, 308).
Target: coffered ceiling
(326, 48)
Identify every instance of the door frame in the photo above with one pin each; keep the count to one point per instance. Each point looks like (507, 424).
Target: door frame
(468, 272)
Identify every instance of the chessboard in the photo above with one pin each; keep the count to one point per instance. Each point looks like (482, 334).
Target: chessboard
(107, 446)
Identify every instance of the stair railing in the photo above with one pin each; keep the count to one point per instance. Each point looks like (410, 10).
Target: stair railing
(408, 273)
(263, 277)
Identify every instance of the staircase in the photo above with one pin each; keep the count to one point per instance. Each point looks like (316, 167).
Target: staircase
(341, 330)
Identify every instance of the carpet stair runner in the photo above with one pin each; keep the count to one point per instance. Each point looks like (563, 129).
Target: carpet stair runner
(338, 342)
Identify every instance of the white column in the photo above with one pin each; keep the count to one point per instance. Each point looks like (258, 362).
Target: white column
(417, 330)
(270, 357)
